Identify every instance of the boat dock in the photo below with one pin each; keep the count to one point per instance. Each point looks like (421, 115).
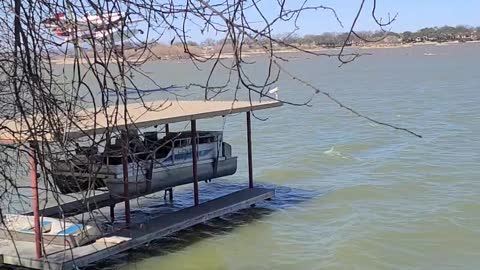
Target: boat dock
(42, 254)
(57, 257)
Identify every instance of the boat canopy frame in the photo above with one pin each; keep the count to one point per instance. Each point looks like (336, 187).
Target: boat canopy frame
(140, 115)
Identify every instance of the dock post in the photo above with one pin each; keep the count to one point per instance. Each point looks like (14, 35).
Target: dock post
(249, 145)
(35, 203)
(194, 160)
(168, 191)
(112, 212)
(125, 178)
(167, 129)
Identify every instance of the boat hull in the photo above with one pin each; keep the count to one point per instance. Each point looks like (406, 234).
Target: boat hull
(71, 182)
(171, 176)
(58, 232)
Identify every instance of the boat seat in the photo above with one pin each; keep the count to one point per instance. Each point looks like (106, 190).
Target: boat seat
(45, 226)
(150, 137)
(71, 230)
(163, 151)
(86, 150)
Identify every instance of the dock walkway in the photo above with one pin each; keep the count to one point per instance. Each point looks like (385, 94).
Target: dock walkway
(135, 236)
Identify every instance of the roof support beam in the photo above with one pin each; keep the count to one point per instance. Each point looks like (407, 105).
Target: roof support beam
(249, 145)
(194, 160)
(35, 204)
(125, 177)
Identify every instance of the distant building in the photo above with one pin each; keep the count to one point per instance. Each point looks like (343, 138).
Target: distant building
(467, 36)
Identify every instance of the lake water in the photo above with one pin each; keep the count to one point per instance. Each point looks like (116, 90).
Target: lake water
(350, 194)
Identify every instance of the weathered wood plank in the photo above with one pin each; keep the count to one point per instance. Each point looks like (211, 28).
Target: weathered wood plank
(140, 234)
(164, 225)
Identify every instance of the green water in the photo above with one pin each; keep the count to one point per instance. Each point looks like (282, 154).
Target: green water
(350, 194)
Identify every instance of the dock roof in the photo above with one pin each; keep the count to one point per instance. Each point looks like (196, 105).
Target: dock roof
(143, 115)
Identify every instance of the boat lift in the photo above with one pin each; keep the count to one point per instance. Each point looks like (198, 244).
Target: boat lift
(36, 256)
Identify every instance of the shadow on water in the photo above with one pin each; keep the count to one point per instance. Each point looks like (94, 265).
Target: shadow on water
(285, 197)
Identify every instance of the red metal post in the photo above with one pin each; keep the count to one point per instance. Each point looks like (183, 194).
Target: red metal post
(249, 144)
(125, 178)
(194, 160)
(35, 203)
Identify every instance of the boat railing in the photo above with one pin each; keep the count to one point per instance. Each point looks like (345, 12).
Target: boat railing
(208, 138)
(147, 149)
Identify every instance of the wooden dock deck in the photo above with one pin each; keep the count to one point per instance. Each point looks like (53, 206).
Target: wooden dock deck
(135, 236)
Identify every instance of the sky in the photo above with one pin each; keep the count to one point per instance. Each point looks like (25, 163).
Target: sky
(412, 15)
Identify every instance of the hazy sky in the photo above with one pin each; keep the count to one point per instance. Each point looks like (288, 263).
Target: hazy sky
(412, 15)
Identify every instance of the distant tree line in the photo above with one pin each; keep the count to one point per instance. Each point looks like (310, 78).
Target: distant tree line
(443, 34)
(332, 39)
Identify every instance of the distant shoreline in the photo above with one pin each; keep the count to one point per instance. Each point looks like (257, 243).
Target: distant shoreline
(252, 53)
